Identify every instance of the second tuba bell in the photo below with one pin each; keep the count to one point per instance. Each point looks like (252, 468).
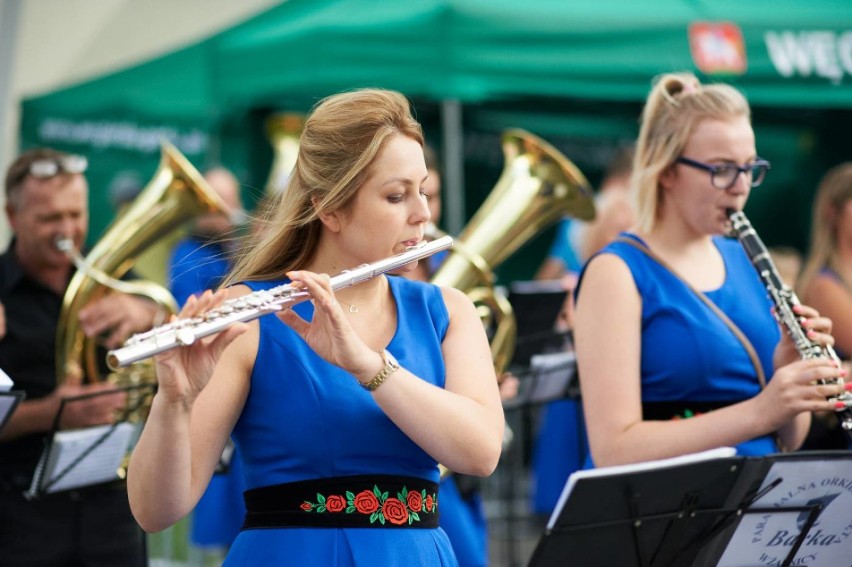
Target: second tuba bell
(537, 187)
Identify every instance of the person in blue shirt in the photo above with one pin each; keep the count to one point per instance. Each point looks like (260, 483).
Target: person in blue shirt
(199, 262)
(661, 375)
(576, 240)
(560, 446)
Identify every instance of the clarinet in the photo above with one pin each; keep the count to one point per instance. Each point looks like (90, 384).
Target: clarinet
(784, 299)
(184, 332)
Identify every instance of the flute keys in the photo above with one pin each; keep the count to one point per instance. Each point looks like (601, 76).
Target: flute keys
(185, 336)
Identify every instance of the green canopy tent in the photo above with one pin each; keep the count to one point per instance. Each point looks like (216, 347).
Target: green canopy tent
(575, 73)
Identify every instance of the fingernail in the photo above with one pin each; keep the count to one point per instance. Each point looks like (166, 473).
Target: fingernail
(839, 405)
(848, 386)
(811, 333)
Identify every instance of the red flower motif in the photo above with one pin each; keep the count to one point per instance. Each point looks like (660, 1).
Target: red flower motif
(335, 503)
(414, 501)
(366, 502)
(395, 511)
(429, 503)
(306, 506)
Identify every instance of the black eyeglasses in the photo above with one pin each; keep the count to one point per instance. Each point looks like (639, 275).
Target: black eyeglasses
(724, 175)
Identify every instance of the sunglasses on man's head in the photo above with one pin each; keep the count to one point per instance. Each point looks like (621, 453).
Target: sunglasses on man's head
(46, 168)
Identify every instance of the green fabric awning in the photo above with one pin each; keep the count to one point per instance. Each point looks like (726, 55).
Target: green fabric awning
(508, 63)
(792, 53)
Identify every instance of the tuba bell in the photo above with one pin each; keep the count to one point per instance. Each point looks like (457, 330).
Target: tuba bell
(283, 130)
(537, 187)
(177, 193)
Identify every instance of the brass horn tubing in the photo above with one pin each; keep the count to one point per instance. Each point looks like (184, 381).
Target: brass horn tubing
(175, 194)
(504, 338)
(284, 131)
(66, 245)
(483, 270)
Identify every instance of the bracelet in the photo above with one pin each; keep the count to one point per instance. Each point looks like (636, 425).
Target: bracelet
(389, 368)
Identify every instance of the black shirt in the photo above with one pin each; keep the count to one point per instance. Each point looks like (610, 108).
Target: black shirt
(28, 351)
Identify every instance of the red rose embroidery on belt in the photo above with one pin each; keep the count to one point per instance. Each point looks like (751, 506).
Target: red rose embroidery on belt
(405, 508)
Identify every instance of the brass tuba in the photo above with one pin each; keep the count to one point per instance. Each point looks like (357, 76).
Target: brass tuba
(537, 187)
(283, 130)
(176, 194)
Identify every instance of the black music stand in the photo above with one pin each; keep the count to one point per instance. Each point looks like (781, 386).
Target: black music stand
(692, 514)
(551, 377)
(87, 456)
(536, 305)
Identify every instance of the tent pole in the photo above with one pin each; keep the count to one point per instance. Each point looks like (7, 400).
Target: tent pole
(10, 16)
(10, 11)
(452, 157)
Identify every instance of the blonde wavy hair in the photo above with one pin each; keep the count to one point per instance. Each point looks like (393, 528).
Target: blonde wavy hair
(340, 140)
(676, 104)
(834, 191)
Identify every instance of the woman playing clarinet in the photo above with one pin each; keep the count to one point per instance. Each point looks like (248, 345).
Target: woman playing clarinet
(662, 373)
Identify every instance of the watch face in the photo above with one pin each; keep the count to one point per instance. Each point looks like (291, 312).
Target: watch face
(390, 358)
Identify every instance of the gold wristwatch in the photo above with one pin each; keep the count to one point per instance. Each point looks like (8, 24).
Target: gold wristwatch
(391, 365)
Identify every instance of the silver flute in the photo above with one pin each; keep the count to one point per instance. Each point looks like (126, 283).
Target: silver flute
(784, 299)
(183, 332)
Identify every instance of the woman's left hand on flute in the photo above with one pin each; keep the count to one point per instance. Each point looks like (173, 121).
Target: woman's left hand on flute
(183, 373)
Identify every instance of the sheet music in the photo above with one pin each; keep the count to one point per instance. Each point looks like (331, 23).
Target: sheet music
(552, 373)
(8, 401)
(5, 382)
(6, 404)
(767, 538)
(99, 465)
(537, 286)
(720, 453)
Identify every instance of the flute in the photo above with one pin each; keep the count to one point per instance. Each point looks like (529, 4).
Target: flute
(184, 332)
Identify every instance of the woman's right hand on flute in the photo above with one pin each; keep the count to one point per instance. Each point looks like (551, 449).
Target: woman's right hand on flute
(329, 333)
(182, 373)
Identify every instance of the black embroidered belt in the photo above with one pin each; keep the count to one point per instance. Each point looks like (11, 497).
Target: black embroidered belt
(661, 411)
(362, 501)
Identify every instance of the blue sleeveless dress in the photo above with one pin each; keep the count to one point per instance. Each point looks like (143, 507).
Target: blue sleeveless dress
(688, 353)
(305, 419)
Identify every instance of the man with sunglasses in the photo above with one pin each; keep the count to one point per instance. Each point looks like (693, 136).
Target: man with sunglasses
(46, 197)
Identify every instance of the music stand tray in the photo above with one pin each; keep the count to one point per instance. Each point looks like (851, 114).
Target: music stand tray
(623, 515)
(82, 457)
(706, 510)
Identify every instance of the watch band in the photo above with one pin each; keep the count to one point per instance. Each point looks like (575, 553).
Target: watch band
(389, 368)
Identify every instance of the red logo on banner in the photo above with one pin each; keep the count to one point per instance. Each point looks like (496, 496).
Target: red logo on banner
(717, 48)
